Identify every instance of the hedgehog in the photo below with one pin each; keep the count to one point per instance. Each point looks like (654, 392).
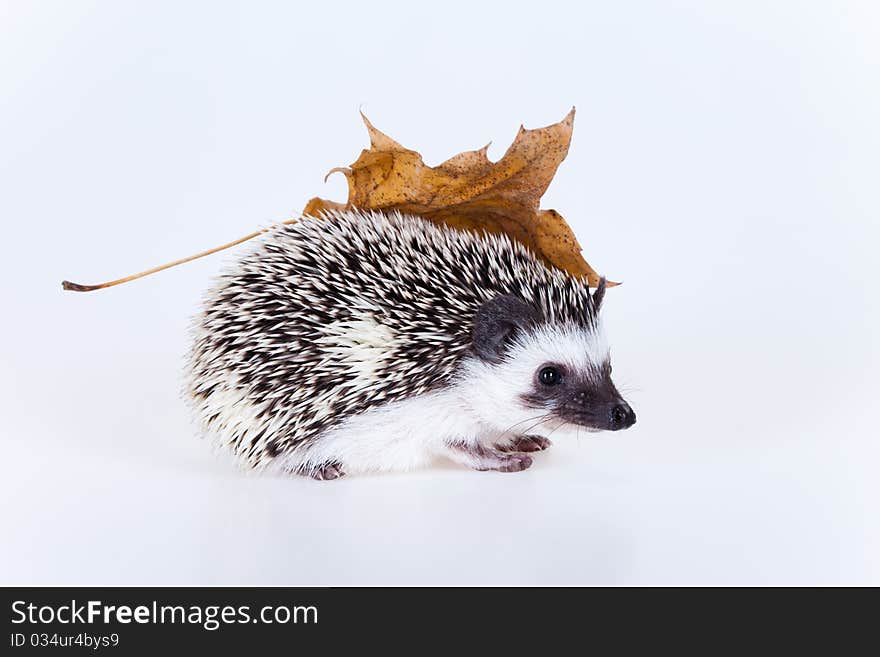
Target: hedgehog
(362, 342)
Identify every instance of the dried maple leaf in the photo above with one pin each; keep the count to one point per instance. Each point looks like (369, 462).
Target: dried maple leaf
(470, 192)
(466, 191)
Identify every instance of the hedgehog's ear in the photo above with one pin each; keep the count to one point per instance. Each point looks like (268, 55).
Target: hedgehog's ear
(497, 322)
(598, 295)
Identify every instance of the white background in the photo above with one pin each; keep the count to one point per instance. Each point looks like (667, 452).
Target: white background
(724, 166)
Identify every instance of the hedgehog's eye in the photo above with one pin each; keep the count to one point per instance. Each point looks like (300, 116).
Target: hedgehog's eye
(549, 376)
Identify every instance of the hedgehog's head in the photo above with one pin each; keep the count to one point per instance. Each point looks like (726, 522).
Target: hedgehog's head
(533, 371)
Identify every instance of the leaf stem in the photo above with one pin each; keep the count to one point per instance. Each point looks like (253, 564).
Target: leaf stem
(77, 287)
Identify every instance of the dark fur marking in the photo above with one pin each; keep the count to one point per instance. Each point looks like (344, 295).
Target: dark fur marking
(496, 323)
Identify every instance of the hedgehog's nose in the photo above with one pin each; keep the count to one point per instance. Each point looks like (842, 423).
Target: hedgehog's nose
(621, 417)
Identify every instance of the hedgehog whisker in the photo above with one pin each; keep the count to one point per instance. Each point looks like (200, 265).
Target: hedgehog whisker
(557, 428)
(540, 419)
(543, 419)
(554, 430)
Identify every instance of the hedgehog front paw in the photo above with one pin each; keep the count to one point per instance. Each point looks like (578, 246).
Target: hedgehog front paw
(527, 444)
(327, 472)
(501, 462)
(480, 457)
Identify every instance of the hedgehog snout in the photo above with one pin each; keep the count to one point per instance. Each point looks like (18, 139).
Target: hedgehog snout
(597, 408)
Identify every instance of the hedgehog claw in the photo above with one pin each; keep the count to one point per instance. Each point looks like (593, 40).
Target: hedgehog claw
(327, 472)
(527, 444)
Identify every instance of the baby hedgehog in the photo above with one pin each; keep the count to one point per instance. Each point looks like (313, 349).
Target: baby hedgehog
(365, 342)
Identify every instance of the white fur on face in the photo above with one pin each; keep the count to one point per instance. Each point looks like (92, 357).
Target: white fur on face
(494, 392)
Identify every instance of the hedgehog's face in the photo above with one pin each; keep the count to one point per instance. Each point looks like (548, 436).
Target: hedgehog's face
(574, 383)
(549, 375)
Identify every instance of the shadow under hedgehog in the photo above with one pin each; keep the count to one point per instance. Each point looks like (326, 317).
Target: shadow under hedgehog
(362, 342)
